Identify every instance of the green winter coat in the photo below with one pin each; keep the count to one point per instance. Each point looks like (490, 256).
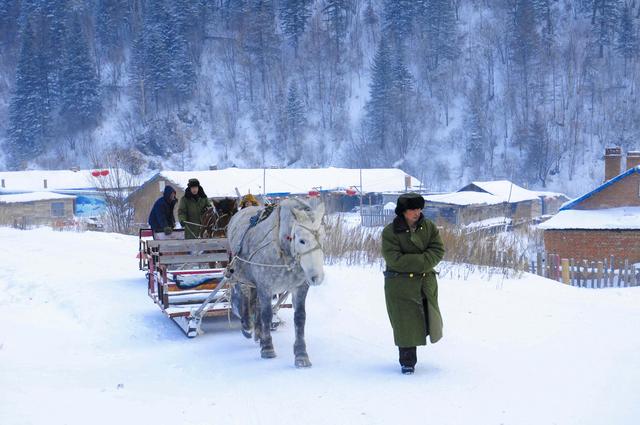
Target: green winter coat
(190, 210)
(414, 254)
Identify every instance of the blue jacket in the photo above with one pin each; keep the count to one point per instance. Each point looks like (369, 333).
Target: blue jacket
(161, 215)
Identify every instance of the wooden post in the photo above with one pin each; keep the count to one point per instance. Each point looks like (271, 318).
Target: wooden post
(539, 264)
(626, 272)
(572, 274)
(565, 271)
(578, 274)
(606, 272)
(600, 273)
(592, 274)
(612, 270)
(585, 268)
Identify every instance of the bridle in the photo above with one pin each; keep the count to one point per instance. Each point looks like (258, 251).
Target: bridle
(294, 247)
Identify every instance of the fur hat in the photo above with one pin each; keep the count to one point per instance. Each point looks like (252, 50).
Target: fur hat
(409, 201)
(193, 183)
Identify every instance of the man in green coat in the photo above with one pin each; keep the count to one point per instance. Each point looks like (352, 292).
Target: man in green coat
(411, 247)
(191, 208)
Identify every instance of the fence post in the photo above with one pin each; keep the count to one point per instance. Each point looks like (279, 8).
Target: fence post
(572, 275)
(600, 273)
(578, 274)
(612, 270)
(585, 268)
(538, 264)
(626, 272)
(565, 271)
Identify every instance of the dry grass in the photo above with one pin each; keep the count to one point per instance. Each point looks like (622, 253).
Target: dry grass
(504, 253)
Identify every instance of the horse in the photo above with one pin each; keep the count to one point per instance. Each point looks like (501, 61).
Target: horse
(215, 220)
(282, 252)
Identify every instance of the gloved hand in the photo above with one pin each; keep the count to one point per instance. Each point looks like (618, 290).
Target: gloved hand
(168, 230)
(182, 224)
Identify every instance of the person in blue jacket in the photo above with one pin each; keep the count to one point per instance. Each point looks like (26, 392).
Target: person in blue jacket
(161, 218)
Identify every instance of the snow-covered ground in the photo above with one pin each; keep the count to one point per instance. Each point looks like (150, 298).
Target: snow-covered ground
(81, 343)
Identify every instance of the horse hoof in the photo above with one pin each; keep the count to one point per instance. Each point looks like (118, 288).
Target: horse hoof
(302, 362)
(268, 353)
(247, 334)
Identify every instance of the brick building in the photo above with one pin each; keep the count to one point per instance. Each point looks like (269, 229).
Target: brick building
(604, 221)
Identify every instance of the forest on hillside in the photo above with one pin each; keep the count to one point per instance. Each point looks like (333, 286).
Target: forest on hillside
(448, 90)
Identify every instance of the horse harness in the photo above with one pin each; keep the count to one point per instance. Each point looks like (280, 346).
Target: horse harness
(263, 215)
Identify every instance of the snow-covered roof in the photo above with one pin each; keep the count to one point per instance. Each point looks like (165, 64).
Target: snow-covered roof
(608, 218)
(574, 202)
(219, 183)
(465, 198)
(547, 194)
(33, 180)
(389, 206)
(507, 191)
(32, 197)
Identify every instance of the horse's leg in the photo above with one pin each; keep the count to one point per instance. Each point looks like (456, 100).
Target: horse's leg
(265, 314)
(247, 310)
(299, 318)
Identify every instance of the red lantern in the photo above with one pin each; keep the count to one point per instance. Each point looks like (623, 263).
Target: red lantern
(104, 172)
(314, 193)
(351, 192)
(95, 173)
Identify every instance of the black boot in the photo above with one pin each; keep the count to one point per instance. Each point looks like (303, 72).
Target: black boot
(408, 359)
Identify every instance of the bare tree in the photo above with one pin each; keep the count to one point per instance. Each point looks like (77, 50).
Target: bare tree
(115, 182)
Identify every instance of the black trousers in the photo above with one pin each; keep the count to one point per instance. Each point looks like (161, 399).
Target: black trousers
(408, 356)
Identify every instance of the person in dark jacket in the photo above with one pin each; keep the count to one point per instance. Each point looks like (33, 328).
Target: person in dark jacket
(191, 209)
(161, 218)
(412, 247)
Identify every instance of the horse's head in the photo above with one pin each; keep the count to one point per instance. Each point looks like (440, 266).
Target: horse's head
(306, 240)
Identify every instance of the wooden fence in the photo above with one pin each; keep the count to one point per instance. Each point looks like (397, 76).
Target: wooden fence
(587, 274)
(373, 218)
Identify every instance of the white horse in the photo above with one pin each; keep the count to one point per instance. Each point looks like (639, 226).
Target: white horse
(282, 252)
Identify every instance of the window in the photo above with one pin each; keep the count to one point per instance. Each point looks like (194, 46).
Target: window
(57, 209)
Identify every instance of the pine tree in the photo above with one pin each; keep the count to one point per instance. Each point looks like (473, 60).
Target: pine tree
(337, 16)
(401, 96)
(53, 26)
(80, 92)
(525, 47)
(111, 18)
(475, 123)
(296, 121)
(604, 22)
(294, 15)
(262, 42)
(183, 78)
(538, 153)
(378, 108)
(9, 12)
(438, 21)
(626, 42)
(29, 110)
(397, 18)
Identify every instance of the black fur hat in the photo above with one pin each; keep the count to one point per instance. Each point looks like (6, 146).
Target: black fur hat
(409, 201)
(193, 183)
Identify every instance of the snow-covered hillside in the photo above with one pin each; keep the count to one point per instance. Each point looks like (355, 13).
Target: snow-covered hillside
(81, 343)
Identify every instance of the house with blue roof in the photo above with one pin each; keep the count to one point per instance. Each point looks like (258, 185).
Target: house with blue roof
(603, 222)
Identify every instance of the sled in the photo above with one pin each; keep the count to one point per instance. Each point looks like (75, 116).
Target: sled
(186, 278)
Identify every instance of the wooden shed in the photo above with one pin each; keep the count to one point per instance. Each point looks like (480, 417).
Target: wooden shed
(36, 209)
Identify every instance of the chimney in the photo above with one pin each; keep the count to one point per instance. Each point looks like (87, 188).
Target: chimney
(612, 159)
(45, 183)
(633, 159)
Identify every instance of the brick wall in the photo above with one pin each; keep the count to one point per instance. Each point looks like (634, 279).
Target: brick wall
(594, 245)
(623, 193)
